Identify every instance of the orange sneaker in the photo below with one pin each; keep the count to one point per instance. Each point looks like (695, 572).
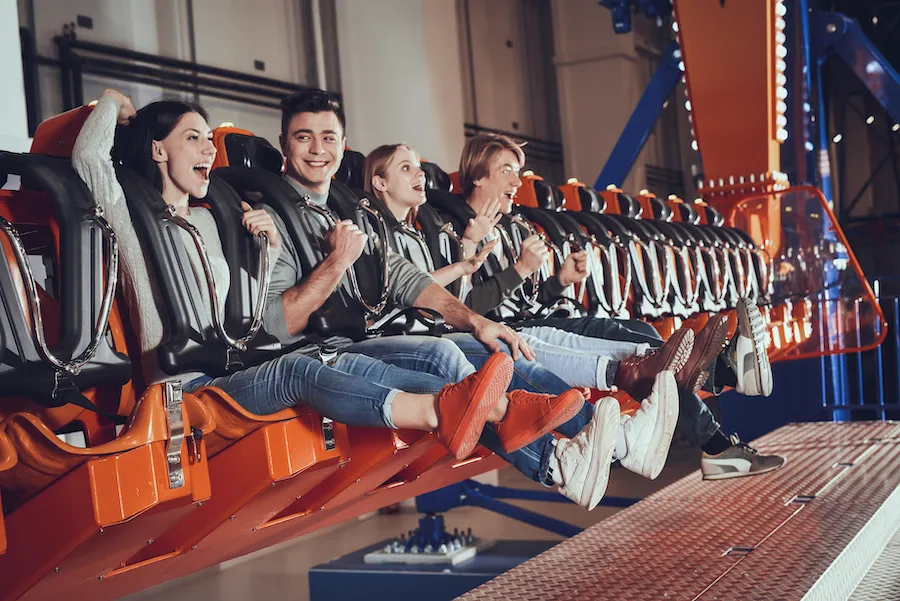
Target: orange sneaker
(531, 415)
(463, 407)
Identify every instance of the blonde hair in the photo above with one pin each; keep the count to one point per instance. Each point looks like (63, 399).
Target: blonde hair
(478, 155)
(377, 163)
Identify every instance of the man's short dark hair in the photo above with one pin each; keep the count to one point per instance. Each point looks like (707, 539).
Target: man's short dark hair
(310, 101)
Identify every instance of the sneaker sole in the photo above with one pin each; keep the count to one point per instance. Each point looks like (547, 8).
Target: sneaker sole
(563, 413)
(729, 475)
(753, 323)
(487, 393)
(696, 379)
(682, 352)
(602, 446)
(667, 397)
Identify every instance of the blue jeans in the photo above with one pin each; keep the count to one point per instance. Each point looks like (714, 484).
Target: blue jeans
(455, 356)
(695, 421)
(334, 392)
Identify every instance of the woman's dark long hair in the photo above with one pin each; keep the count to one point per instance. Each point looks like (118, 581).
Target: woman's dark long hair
(134, 142)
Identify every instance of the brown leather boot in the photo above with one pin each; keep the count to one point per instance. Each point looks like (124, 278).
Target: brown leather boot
(637, 373)
(708, 343)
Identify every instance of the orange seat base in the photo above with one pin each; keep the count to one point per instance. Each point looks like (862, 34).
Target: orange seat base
(92, 520)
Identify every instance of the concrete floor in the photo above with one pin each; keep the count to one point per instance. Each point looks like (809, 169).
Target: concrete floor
(281, 572)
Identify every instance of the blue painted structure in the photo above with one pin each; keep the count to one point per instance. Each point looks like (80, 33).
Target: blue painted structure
(642, 120)
(470, 493)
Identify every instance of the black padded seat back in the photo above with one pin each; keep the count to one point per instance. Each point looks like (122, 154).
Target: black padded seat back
(591, 201)
(81, 281)
(453, 208)
(344, 202)
(253, 151)
(242, 252)
(351, 170)
(190, 342)
(661, 210)
(628, 206)
(341, 313)
(436, 178)
(688, 213)
(444, 249)
(713, 216)
(544, 195)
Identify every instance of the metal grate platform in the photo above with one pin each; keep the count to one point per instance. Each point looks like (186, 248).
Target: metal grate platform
(882, 581)
(808, 531)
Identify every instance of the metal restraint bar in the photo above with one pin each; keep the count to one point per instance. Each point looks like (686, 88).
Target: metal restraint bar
(71, 366)
(325, 214)
(263, 276)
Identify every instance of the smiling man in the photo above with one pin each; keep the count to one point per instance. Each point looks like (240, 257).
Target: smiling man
(520, 425)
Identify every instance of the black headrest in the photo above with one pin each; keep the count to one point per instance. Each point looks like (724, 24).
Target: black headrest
(543, 192)
(628, 206)
(453, 207)
(591, 201)
(661, 210)
(713, 217)
(351, 170)
(436, 178)
(688, 213)
(253, 151)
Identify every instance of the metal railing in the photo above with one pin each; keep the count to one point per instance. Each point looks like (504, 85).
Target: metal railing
(78, 58)
(866, 385)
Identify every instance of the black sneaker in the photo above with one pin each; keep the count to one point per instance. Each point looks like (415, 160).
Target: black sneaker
(738, 460)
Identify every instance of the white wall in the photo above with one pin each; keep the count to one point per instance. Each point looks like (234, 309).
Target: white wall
(400, 75)
(228, 33)
(13, 119)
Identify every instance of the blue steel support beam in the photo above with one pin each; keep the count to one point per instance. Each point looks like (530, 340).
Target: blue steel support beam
(474, 494)
(642, 120)
(842, 35)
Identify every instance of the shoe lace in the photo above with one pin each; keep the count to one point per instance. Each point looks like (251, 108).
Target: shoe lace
(737, 442)
(635, 359)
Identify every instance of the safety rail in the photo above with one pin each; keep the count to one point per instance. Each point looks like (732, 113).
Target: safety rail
(866, 385)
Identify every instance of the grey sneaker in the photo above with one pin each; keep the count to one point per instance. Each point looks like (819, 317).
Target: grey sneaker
(738, 460)
(747, 354)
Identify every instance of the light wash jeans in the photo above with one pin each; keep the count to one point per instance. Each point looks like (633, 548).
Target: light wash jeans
(695, 421)
(580, 361)
(334, 392)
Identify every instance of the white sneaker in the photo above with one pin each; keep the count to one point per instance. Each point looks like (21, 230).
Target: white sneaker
(645, 437)
(584, 460)
(747, 355)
